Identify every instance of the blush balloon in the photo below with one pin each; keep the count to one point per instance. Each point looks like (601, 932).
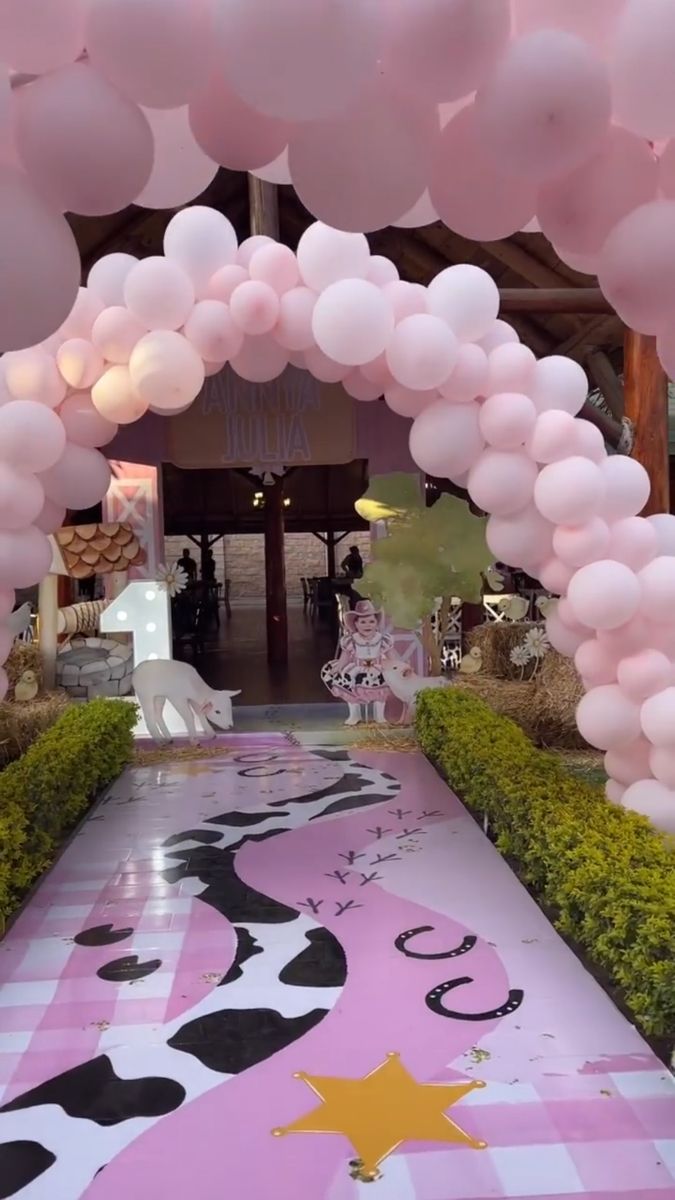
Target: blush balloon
(293, 329)
(200, 240)
(38, 36)
(447, 49)
(377, 371)
(520, 540)
(180, 170)
(324, 368)
(7, 602)
(589, 442)
(79, 479)
(563, 639)
(83, 424)
(254, 307)
(607, 719)
(468, 378)
(359, 388)
(382, 271)
(108, 276)
(614, 791)
(159, 293)
(223, 282)
(642, 49)
(642, 674)
(500, 333)
(249, 247)
(211, 329)
(662, 766)
(636, 266)
(657, 718)
(502, 482)
(115, 333)
(559, 383)
(555, 576)
(596, 666)
(421, 351)
(353, 322)
(114, 398)
(506, 420)
(657, 581)
(32, 436)
(604, 594)
(664, 525)
(32, 375)
(21, 497)
(25, 557)
(51, 517)
(633, 541)
(422, 213)
(553, 436)
(232, 133)
(569, 492)
(629, 763)
(79, 362)
(260, 360)
(465, 297)
(277, 266)
(578, 545)
(627, 487)
(445, 439)
(406, 402)
(635, 635)
(510, 369)
(406, 299)
(166, 371)
(326, 255)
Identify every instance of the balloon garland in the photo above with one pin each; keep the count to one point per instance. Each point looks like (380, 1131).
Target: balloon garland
(485, 414)
(560, 112)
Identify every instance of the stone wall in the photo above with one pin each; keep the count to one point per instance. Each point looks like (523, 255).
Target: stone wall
(241, 559)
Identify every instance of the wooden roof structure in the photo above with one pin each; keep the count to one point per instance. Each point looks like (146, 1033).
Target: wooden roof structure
(82, 551)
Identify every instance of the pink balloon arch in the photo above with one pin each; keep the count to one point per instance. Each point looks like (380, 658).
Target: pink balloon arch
(485, 414)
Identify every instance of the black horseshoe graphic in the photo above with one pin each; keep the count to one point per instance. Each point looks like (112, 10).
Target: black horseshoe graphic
(435, 996)
(402, 940)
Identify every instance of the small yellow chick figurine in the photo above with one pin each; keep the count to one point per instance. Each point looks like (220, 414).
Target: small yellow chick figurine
(546, 605)
(515, 608)
(27, 687)
(472, 662)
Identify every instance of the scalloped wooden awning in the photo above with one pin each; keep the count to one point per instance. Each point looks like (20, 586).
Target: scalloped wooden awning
(81, 551)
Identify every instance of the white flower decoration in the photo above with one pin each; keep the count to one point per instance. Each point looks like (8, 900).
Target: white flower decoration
(537, 642)
(173, 579)
(521, 655)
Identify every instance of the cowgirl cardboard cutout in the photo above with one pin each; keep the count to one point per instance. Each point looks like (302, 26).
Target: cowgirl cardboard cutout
(356, 675)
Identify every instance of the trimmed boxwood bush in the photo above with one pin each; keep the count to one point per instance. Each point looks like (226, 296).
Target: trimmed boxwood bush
(606, 876)
(44, 793)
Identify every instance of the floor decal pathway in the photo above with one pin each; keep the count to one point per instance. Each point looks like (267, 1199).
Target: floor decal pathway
(300, 941)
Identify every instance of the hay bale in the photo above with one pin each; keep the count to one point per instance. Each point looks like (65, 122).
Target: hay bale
(21, 724)
(514, 700)
(24, 656)
(558, 692)
(496, 640)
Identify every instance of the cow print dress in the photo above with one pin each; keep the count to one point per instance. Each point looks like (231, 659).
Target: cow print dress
(356, 676)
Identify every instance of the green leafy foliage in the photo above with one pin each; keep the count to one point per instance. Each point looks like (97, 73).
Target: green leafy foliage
(44, 793)
(605, 873)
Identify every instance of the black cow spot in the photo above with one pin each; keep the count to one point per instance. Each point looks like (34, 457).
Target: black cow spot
(333, 755)
(241, 820)
(233, 1040)
(20, 1164)
(101, 935)
(349, 802)
(128, 970)
(321, 964)
(205, 836)
(224, 890)
(247, 947)
(93, 1092)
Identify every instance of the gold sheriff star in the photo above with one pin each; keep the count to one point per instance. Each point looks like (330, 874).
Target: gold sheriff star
(382, 1110)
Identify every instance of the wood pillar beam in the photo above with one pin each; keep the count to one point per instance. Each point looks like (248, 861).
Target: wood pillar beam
(263, 204)
(606, 380)
(275, 575)
(646, 404)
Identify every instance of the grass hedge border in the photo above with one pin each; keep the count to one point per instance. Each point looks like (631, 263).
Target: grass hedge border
(45, 792)
(606, 876)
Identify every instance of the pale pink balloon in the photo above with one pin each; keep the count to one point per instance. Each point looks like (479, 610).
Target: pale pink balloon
(521, 539)
(326, 255)
(636, 267)
(657, 718)
(502, 482)
(607, 719)
(627, 487)
(181, 169)
(384, 143)
(115, 333)
(664, 524)
(547, 106)
(604, 594)
(406, 299)
(480, 201)
(555, 576)
(276, 171)
(382, 271)
(596, 666)
(654, 801)
(21, 497)
(79, 362)
(32, 436)
(39, 35)
(657, 581)
(406, 402)
(155, 51)
(353, 322)
(254, 307)
(500, 333)
(200, 240)
(559, 382)
(595, 22)
(628, 764)
(553, 437)
(662, 766)
(583, 264)
(293, 329)
(665, 346)
(80, 320)
(422, 213)
(510, 369)
(223, 282)
(33, 375)
(614, 791)
(84, 424)
(467, 298)
(39, 254)
(159, 293)
(165, 371)
(506, 420)
(108, 276)
(79, 479)
(563, 639)
(213, 368)
(569, 492)
(635, 635)
(633, 541)
(421, 352)
(329, 50)
(260, 360)
(212, 331)
(324, 368)
(446, 48)
(248, 249)
(377, 371)
(579, 210)
(641, 67)
(7, 602)
(6, 641)
(589, 441)
(277, 266)
(445, 439)
(87, 148)
(25, 557)
(231, 132)
(578, 545)
(641, 675)
(666, 170)
(358, 387)
(468, 378)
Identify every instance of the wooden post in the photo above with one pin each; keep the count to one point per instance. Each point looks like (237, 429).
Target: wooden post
(275, 574)
(331, 568)
(263, 206)
(48, 618)
(204, 547)
(646, 404)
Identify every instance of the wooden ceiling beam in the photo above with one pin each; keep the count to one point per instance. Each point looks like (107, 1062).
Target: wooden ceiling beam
(552, 300)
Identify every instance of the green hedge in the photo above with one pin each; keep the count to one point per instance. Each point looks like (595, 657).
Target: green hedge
(606, 875)
(44, 793)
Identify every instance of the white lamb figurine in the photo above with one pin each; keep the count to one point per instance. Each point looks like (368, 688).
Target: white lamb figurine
(160, 680)
(405, 684)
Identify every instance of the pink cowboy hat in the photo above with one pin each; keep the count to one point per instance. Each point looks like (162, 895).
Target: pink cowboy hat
(364, 608)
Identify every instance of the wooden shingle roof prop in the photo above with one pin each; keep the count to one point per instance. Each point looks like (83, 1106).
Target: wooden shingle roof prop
(81, 551)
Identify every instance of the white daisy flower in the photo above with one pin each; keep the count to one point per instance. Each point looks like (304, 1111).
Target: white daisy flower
(537, 642)
(173, 579)
(521, 655)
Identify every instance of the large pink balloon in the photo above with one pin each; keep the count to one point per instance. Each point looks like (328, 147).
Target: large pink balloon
(445, 439)
(231, 132)
(559, 382)
(547, 106)
(421, 352)
(181, 169)
(159, 293)
(155, 51)
(254, 307)
(405, 298)
(326, 255)
(277, 266)
(324, 368)
(201, 241)
(32, 437)
(499, 333)
(511, 368)
(39, 264)
(507, 419)
(604, 594)
(7, 602)
(633, 541)
(635, 635)
(657, 718)
(21, 497)
(116, 332)
(563, 639)
(446, 48)
(657, 581)
(520, 540)
(249, 247)
(377, 371)
(212, 331)
(664, 524)
(627, 487)
(32, 375)
(406, 402)
(353, 322)
(260, 360)
(594, 22)
(569, 492)
(166, 371)
(642, 76)
(293, 329)
(589, 441)
(607, 719)
(25, 557)
(596, 665)
(83, 424)
(39, 35)
(662, 766)
(108, 276)
(579, 210)
(79, 480)
(553, 436)
(642, 674)
(502, 482)
(80, 320)
(480, 201)
(223, 282)
(79, 362)
(422, 213)
(358, 387)
(666, 170)
(629, 763)
(384, 143)
(636, 267)
(468, 378)
(578, 545)
(467, 298)
(329, 50)
(652, 800)
(382, 271)
(555, 576)
(87, 148)
(114, 399)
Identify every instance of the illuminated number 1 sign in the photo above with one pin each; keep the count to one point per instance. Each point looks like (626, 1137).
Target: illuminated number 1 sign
(144, 610)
